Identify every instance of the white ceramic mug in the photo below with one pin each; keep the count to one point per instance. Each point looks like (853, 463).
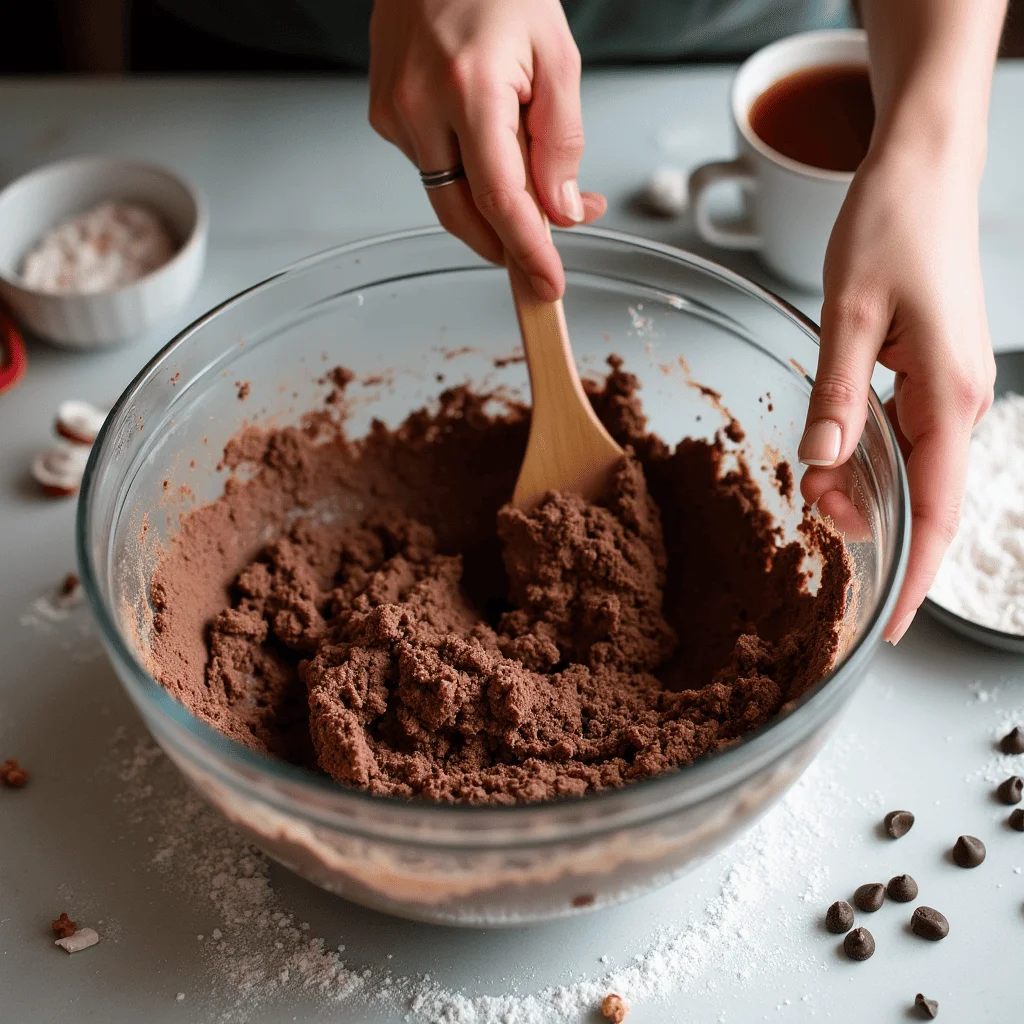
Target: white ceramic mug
(791, 206)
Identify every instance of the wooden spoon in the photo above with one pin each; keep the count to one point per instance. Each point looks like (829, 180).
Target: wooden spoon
(568, 447)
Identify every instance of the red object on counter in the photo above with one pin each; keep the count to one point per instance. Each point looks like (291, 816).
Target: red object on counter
(13, 360)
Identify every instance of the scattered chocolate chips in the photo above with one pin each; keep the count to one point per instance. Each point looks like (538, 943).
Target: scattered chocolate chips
(968, 852)
(1011, 790)
(1013, 741)
(869, 897)
(13, 775)
(898, 823)
(859, 944)
(839, 918)
(614, 1008)
(902, 888)
(1017, 819)
(928, 1007)
(929, 924)
(63, 926)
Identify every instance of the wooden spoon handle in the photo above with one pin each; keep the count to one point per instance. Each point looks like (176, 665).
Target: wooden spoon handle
(568, 448)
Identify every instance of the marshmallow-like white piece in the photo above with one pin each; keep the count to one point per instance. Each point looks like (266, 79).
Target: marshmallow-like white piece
(83, 938)
(59, 470)
(667, 192)
(79, 421)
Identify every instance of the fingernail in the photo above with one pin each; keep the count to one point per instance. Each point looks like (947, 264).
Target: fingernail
(572, 201)
(897, 634)
(821, 443)
(543, 287)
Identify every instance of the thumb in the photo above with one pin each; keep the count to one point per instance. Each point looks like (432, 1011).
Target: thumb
(850, 341)
(554, 123)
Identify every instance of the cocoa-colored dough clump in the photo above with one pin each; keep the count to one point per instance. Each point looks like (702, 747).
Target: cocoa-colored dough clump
(413, 635)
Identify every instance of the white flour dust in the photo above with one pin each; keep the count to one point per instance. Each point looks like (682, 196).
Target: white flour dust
(65, 615)
(771, 887)
(999, 766)
(982, 575)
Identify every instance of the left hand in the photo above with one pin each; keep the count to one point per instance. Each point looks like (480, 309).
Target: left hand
(903, 285)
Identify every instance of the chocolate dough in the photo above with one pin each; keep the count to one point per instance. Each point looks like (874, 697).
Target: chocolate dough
(413, 635)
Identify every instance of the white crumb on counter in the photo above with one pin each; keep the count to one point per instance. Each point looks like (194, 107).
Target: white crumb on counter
(82, 939)
(667, 192)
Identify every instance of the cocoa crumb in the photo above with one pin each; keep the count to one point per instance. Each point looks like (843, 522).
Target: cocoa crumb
(63, 926)
(614, 1008)
(13, 775)
(734, 431)
(69, 585)
(501, 362)
(340, 377)
(784, 478)
(244, 389)
(175, 378)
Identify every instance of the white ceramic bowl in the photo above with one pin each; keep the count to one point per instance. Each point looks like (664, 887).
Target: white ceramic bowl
(39, 200)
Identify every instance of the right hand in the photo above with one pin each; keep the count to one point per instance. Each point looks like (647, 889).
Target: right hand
(449, 82)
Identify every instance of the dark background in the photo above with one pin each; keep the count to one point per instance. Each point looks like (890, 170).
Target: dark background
(42, 41)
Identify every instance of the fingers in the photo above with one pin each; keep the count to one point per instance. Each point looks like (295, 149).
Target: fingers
(458, 214)
(594, 206)
(554, 123)
(936, 471)
(494, 166)
(837, 495)
(437, 149)
(851, 335)
(894, 420)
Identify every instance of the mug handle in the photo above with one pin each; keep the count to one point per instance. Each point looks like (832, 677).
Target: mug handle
(702, 181)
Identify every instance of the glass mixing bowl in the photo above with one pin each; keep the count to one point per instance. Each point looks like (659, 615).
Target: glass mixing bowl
(406, 310)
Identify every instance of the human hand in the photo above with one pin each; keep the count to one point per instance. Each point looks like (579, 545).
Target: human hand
(448, 79)
(903, 285)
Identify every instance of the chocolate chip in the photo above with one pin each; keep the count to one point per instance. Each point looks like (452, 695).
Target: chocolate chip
(929, 924)
(1011, 790)
(1013, 741)
(839, 918)
(859, 944)
(898, 823)
(1017, 819)
(902, 888)
(869, 897)
(968, 852)
(928, 1007)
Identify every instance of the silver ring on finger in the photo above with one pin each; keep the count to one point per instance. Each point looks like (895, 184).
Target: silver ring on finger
(438, 179)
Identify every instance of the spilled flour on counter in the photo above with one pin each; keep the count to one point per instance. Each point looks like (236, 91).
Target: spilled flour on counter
(771, 885)
(982, 575)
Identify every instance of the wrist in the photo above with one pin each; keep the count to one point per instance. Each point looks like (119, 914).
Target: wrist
(935, 125)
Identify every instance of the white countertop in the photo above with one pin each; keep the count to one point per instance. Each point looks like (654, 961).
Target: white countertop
(290, 167)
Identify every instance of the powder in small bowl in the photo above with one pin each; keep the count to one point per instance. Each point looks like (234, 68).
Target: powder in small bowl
(106, 247)
(982, 575)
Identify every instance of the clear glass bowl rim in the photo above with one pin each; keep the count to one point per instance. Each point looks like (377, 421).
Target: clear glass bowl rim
(698, 777)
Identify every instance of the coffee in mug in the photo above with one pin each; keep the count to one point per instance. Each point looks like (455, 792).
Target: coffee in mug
(821, 117)
(803, 115)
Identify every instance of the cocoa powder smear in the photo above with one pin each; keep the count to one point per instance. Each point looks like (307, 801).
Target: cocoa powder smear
(413, 635)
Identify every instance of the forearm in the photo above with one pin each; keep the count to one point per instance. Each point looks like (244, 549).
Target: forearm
(931, 73)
